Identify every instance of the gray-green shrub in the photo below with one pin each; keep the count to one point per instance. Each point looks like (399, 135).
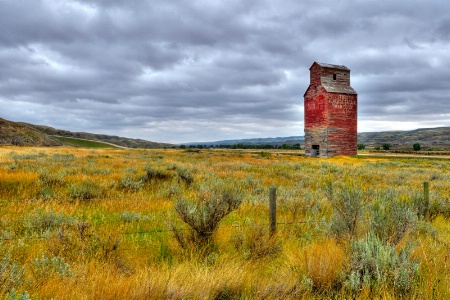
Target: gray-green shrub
(392, 218)
(376, 265)
(185, 175)
(47, 178)
(131, 184)
(157, 174)
(132, 216)
(349, 203)
(14, 295)
(45, 267)
(43, 221)
(203, 213)
(11, 273)
(84, 190)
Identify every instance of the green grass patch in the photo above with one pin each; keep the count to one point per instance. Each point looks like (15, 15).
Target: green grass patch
(82, 143)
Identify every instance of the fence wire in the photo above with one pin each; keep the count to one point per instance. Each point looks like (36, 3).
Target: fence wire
(155, 231)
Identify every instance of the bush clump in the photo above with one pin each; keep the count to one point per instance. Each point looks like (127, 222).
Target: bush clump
(80, 240)
(377, 266)
(45, 267)
(130, 184)
(204, 213)
(49, 179)
(349, 203)
(392, 219)
(185, 175)
(43, 221)
(157, 174)
(84, 190)
(11, 274)
(256, 243)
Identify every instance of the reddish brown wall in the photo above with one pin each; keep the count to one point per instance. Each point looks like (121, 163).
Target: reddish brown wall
(316, 119)
(314, 76)
(342, 124)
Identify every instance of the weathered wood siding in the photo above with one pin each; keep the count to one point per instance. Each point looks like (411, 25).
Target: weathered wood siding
(316, 120)
(342, 124)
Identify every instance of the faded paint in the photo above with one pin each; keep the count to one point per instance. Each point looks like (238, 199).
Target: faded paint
(330, 112)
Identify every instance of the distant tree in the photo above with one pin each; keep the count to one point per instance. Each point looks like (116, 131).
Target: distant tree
(182, 146)
(361, 146)
(386, 146)
(377, 148)
(296, 146)
(416, 147)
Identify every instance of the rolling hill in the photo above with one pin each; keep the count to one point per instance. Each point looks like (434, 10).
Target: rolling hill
(116, 140)
(24, 134)
(435, 138)
(12, 133)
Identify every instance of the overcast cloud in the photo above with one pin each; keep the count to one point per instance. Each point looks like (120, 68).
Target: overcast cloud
(186, 70)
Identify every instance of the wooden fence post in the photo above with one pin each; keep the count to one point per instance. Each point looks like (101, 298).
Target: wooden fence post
(426, 199)
(273, 210)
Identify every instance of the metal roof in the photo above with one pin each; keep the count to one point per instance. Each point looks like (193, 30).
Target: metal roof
(338, 88)
(330, 66)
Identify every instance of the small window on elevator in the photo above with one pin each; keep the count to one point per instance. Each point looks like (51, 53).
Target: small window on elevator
(334, 76)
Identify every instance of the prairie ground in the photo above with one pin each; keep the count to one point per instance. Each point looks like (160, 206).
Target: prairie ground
(101, 224)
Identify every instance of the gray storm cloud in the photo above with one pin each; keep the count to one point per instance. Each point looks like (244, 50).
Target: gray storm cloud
(178, 71)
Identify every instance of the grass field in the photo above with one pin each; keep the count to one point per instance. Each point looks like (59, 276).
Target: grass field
(101, 224)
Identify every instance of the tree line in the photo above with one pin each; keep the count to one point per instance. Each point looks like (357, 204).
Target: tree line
(245, 146)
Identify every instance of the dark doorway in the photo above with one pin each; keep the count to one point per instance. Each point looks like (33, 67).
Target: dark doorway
(315, 150)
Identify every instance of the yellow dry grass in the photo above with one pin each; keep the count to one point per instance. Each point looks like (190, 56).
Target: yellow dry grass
(118, 245)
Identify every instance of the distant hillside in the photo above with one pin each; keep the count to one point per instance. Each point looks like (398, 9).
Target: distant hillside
(435, 138)
(24, 134)
(116, 140)
(12, 133)
(290, 140)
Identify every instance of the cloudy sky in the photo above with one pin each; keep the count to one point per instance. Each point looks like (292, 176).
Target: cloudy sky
(189, 70)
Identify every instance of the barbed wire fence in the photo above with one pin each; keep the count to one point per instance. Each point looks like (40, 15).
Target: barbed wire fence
(272, 223)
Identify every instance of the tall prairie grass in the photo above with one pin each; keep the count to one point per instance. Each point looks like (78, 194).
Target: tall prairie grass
(99, 223)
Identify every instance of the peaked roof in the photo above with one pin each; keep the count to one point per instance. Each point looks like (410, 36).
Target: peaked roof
(330, 66)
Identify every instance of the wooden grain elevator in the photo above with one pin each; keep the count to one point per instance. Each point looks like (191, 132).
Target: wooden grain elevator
(330, 112)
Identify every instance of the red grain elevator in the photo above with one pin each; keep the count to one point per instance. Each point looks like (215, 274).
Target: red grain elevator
(330, 112)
